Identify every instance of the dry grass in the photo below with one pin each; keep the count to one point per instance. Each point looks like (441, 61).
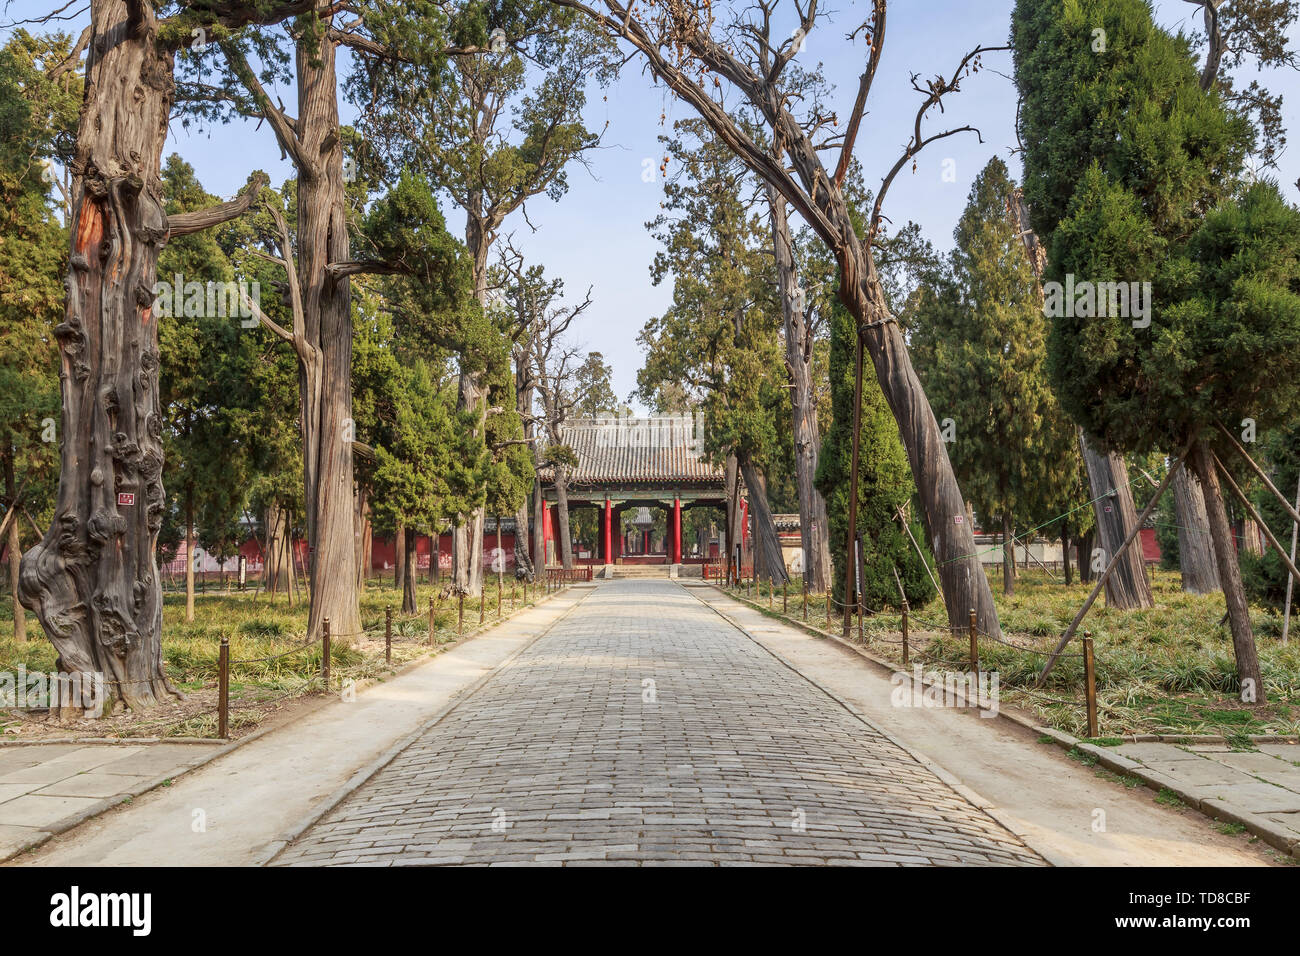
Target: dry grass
(258, 627)
(1168, 669)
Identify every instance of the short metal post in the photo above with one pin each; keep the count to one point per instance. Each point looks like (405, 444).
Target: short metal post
(828, 609)
(805, 600)
(460, 613)
(905, 613)
(1090, 676)
(482, 604)
(325, 654)
(388, 634)
(498, 597)
(974, 645)
(785, 597)
(223, 689)
(431, 626)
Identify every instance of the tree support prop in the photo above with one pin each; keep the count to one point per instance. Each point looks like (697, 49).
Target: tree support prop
(1111, 565)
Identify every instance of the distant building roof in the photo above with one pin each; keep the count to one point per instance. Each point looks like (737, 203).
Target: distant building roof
(644, 450)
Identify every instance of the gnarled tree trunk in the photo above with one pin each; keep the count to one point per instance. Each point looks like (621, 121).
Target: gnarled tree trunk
(1196, 558)
(93, 579)
(813, 521)
(325, 379)
(399, 554)
(1127, 587)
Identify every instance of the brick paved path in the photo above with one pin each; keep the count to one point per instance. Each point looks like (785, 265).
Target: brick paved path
(645, 729)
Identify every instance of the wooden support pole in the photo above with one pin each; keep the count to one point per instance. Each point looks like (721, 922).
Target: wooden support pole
(1250, 509)
(1293, 512)
(1295, 533)
(325, 653)
(223, 689)
(388, 634)
(1090, 677)
(1111, 565)
(905, 613)
(460, 614)
(974, 645)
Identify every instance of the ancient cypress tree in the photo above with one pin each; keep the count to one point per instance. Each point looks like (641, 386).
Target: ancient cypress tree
(980, 341)
(93, 579)
(720, 338)
(470, 118)
(1136, 182)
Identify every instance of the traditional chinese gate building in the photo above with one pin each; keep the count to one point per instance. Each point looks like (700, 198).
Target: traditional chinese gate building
(627, 465)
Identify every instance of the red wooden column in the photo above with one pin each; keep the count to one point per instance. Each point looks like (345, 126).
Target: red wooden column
(677, 531)
(609, 531)
(547, 532)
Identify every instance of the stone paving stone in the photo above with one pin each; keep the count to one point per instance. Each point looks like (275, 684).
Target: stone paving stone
(92, 784)
(1198, 773)
(37, 811)
(1144, 752)
(1255, 797)
(1288, 752)
(1266, 766)
(645, 730)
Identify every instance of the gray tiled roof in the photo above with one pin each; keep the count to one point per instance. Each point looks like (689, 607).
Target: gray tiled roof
(637, 450)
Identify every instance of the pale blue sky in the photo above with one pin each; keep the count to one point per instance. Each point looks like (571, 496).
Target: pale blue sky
(595, 236)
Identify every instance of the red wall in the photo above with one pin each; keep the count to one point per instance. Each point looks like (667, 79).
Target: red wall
(384, 554)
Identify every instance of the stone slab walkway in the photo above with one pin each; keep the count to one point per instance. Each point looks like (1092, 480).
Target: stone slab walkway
(1069, 812)
(237, 809)
(1264, 783)
(43, 787)
(645, 729)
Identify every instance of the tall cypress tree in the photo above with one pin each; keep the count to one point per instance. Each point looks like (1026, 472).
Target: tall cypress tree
(1132, 173)
(980, 347)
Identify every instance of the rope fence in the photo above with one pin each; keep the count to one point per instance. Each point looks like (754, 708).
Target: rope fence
(741, 580)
